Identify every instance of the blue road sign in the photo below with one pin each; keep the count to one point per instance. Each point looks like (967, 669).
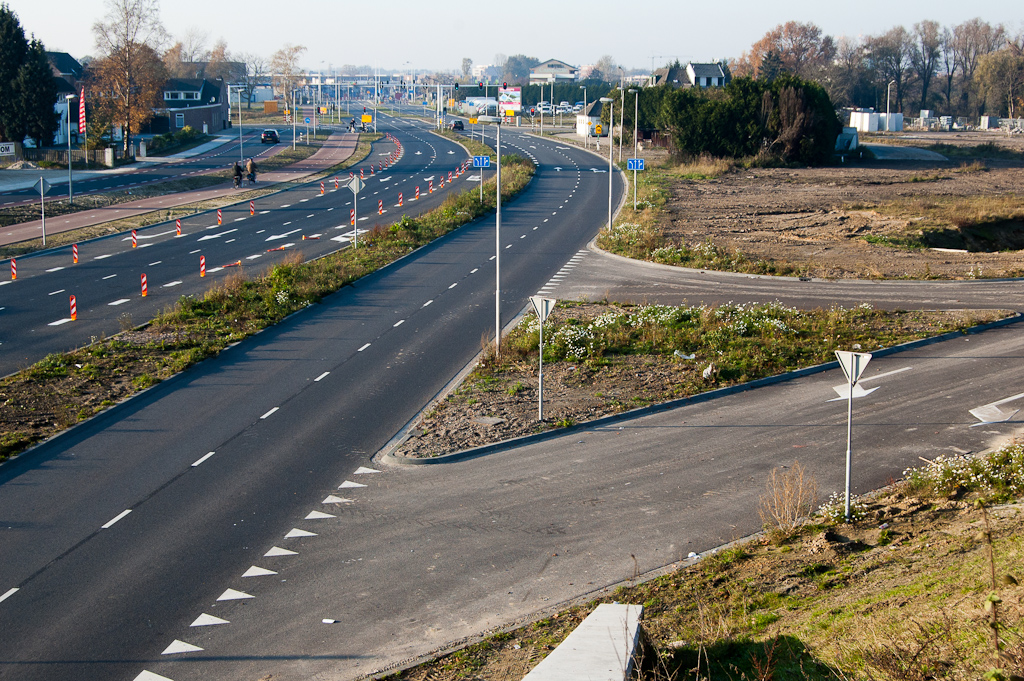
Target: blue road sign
(635, 164)
(307, 119)
(481, 161)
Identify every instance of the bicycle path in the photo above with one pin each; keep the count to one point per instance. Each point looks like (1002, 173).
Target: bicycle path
(337, 148)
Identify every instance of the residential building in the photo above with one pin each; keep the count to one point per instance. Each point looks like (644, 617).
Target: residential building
(691, 75)
(486, 73)
(552, 71)
(199, 103)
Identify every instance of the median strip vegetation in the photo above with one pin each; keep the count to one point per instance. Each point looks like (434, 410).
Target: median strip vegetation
(602, 359)
(63, 389)
(923, 584)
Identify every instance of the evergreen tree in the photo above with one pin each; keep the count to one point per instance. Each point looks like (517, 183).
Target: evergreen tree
(13, 52)
(37, 91)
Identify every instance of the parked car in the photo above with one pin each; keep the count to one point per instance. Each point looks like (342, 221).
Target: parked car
(456, 125)
(577, 107)
(270, 136)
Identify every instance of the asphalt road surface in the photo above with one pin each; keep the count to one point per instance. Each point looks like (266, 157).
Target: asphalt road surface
(152, 508)
(106, 282)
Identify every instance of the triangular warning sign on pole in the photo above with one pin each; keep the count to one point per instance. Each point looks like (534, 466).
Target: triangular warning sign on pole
(543, 306)
(853, 364)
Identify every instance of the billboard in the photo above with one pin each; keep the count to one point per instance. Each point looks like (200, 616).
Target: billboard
(510, 100)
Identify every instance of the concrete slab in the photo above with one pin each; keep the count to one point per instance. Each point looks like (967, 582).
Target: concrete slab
(888, 152)
(601, 648)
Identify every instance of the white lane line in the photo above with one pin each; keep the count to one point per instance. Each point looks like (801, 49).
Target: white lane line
(154, 263)
(113, 520)
(10, 592)
(55, 269)
(888, 373)
(253, 257)
(195, 251)
(523, 236)
(398, 323)
(491, 258)
(145, 245)
(322, 376)
(287, 205)
(261, 231)
(363, 348)
(56, 292)
(303, 200)
(5, 283)
(120, 301)
(474, 270)
(202, 459)
(60, 321)
(230, 241)
(453, 286)
(264, 212)
(239, 219)
(214, 236)
(215, 269)
(311, 215)
(427, 303)
(173, 283)
(270, 412)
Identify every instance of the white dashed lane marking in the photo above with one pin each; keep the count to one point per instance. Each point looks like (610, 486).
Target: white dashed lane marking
(270, 412)
(321, 376)
(119, 516)
(202, 459)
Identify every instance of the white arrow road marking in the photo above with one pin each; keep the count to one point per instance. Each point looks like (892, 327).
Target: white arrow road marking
(150, 676)
(180, 647)
(296, 532)
(283, 236)
(348, 484)
(319, 515)
(205, 620)
(110, 523)
(991, 413)
(7, 594)
(363, 470)
(278, 551)
(149, 236)
(232, 595)
(428, 179)
(596, 170)
(844, 392)
(256, 571)
(331, 499)
(214, 236)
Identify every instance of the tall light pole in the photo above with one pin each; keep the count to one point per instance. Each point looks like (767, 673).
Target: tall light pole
(497, 246)
(586, 135)
(622, 117)
(888, 90)
(241, 153)
(636, 110)
(611, 152)
(295, 114)
(67, 100)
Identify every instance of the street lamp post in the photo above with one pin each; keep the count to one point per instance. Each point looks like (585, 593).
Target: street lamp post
(636, 110)
(71, 198)
(241, 152)
(611, 152)
(294, 116)
(888, 90)
(622, 116)
(586, 135)
(497, 245)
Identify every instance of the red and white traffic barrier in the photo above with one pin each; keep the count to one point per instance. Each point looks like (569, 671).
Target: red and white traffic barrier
(145, 287)
(135, 239)
(177, 227)
(202, 266)
(430, 187)
(417, 191)
(310, 238)
(449, 177)
(371, 170)
(352, 175)
(352, 216)
(335, 181)
(321, 187)
(269, 250)
(252, 208)
(14, 269)
(238, 263)
(442, 182)
(361, 176)
(74, 253)
(380, 207)
(399, 199)
(74, 309)
(220, 217)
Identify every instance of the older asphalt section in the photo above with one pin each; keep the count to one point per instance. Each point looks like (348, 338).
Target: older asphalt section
(104, 603)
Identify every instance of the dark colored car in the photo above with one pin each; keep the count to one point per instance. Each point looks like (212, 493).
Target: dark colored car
(457, 125)
(270, 136)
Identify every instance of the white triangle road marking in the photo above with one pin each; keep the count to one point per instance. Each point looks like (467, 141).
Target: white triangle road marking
(232, 595)
(331, 499)
(180, 647)
(363, 469)
(147, 675)
(255, 571)
(348, 484)
(296, 532)
(278, 551)
(205, 620)
(319, 515)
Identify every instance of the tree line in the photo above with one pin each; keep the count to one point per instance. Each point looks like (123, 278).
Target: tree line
(968, 69)
(27, 89)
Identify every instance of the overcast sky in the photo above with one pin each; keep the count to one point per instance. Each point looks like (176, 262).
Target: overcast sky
(437, 34)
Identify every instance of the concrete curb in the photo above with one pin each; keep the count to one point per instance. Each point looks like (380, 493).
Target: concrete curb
(523, 440)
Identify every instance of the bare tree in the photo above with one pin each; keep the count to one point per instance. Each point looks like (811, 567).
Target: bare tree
(193, 45)
(467, 68)
(927, 46)
(222, 65)
(947, 65)
(972, 40)
(284, 64)
(255, 74)
(128, 39)
(604, 68)
(890, 57)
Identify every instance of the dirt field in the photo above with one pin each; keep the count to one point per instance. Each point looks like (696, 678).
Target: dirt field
(837, 222)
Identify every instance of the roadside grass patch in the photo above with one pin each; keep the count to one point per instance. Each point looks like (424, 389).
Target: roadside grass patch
(34, 403)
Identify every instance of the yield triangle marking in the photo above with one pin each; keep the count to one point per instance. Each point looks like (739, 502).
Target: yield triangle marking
(296, 532)
(348, 484)
(232, 595)
(205, 620)
(150, 676)
(319, 515)
(255, 571)
(363, 469)
(180, 647)
(331, 499)
(278, 551)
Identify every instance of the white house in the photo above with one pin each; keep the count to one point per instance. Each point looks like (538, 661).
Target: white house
(705, 75)
(552, 71)
(587, 120)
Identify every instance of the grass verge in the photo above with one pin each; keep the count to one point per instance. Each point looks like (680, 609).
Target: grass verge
(63, 389)
(919, 586)
(602, 359)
